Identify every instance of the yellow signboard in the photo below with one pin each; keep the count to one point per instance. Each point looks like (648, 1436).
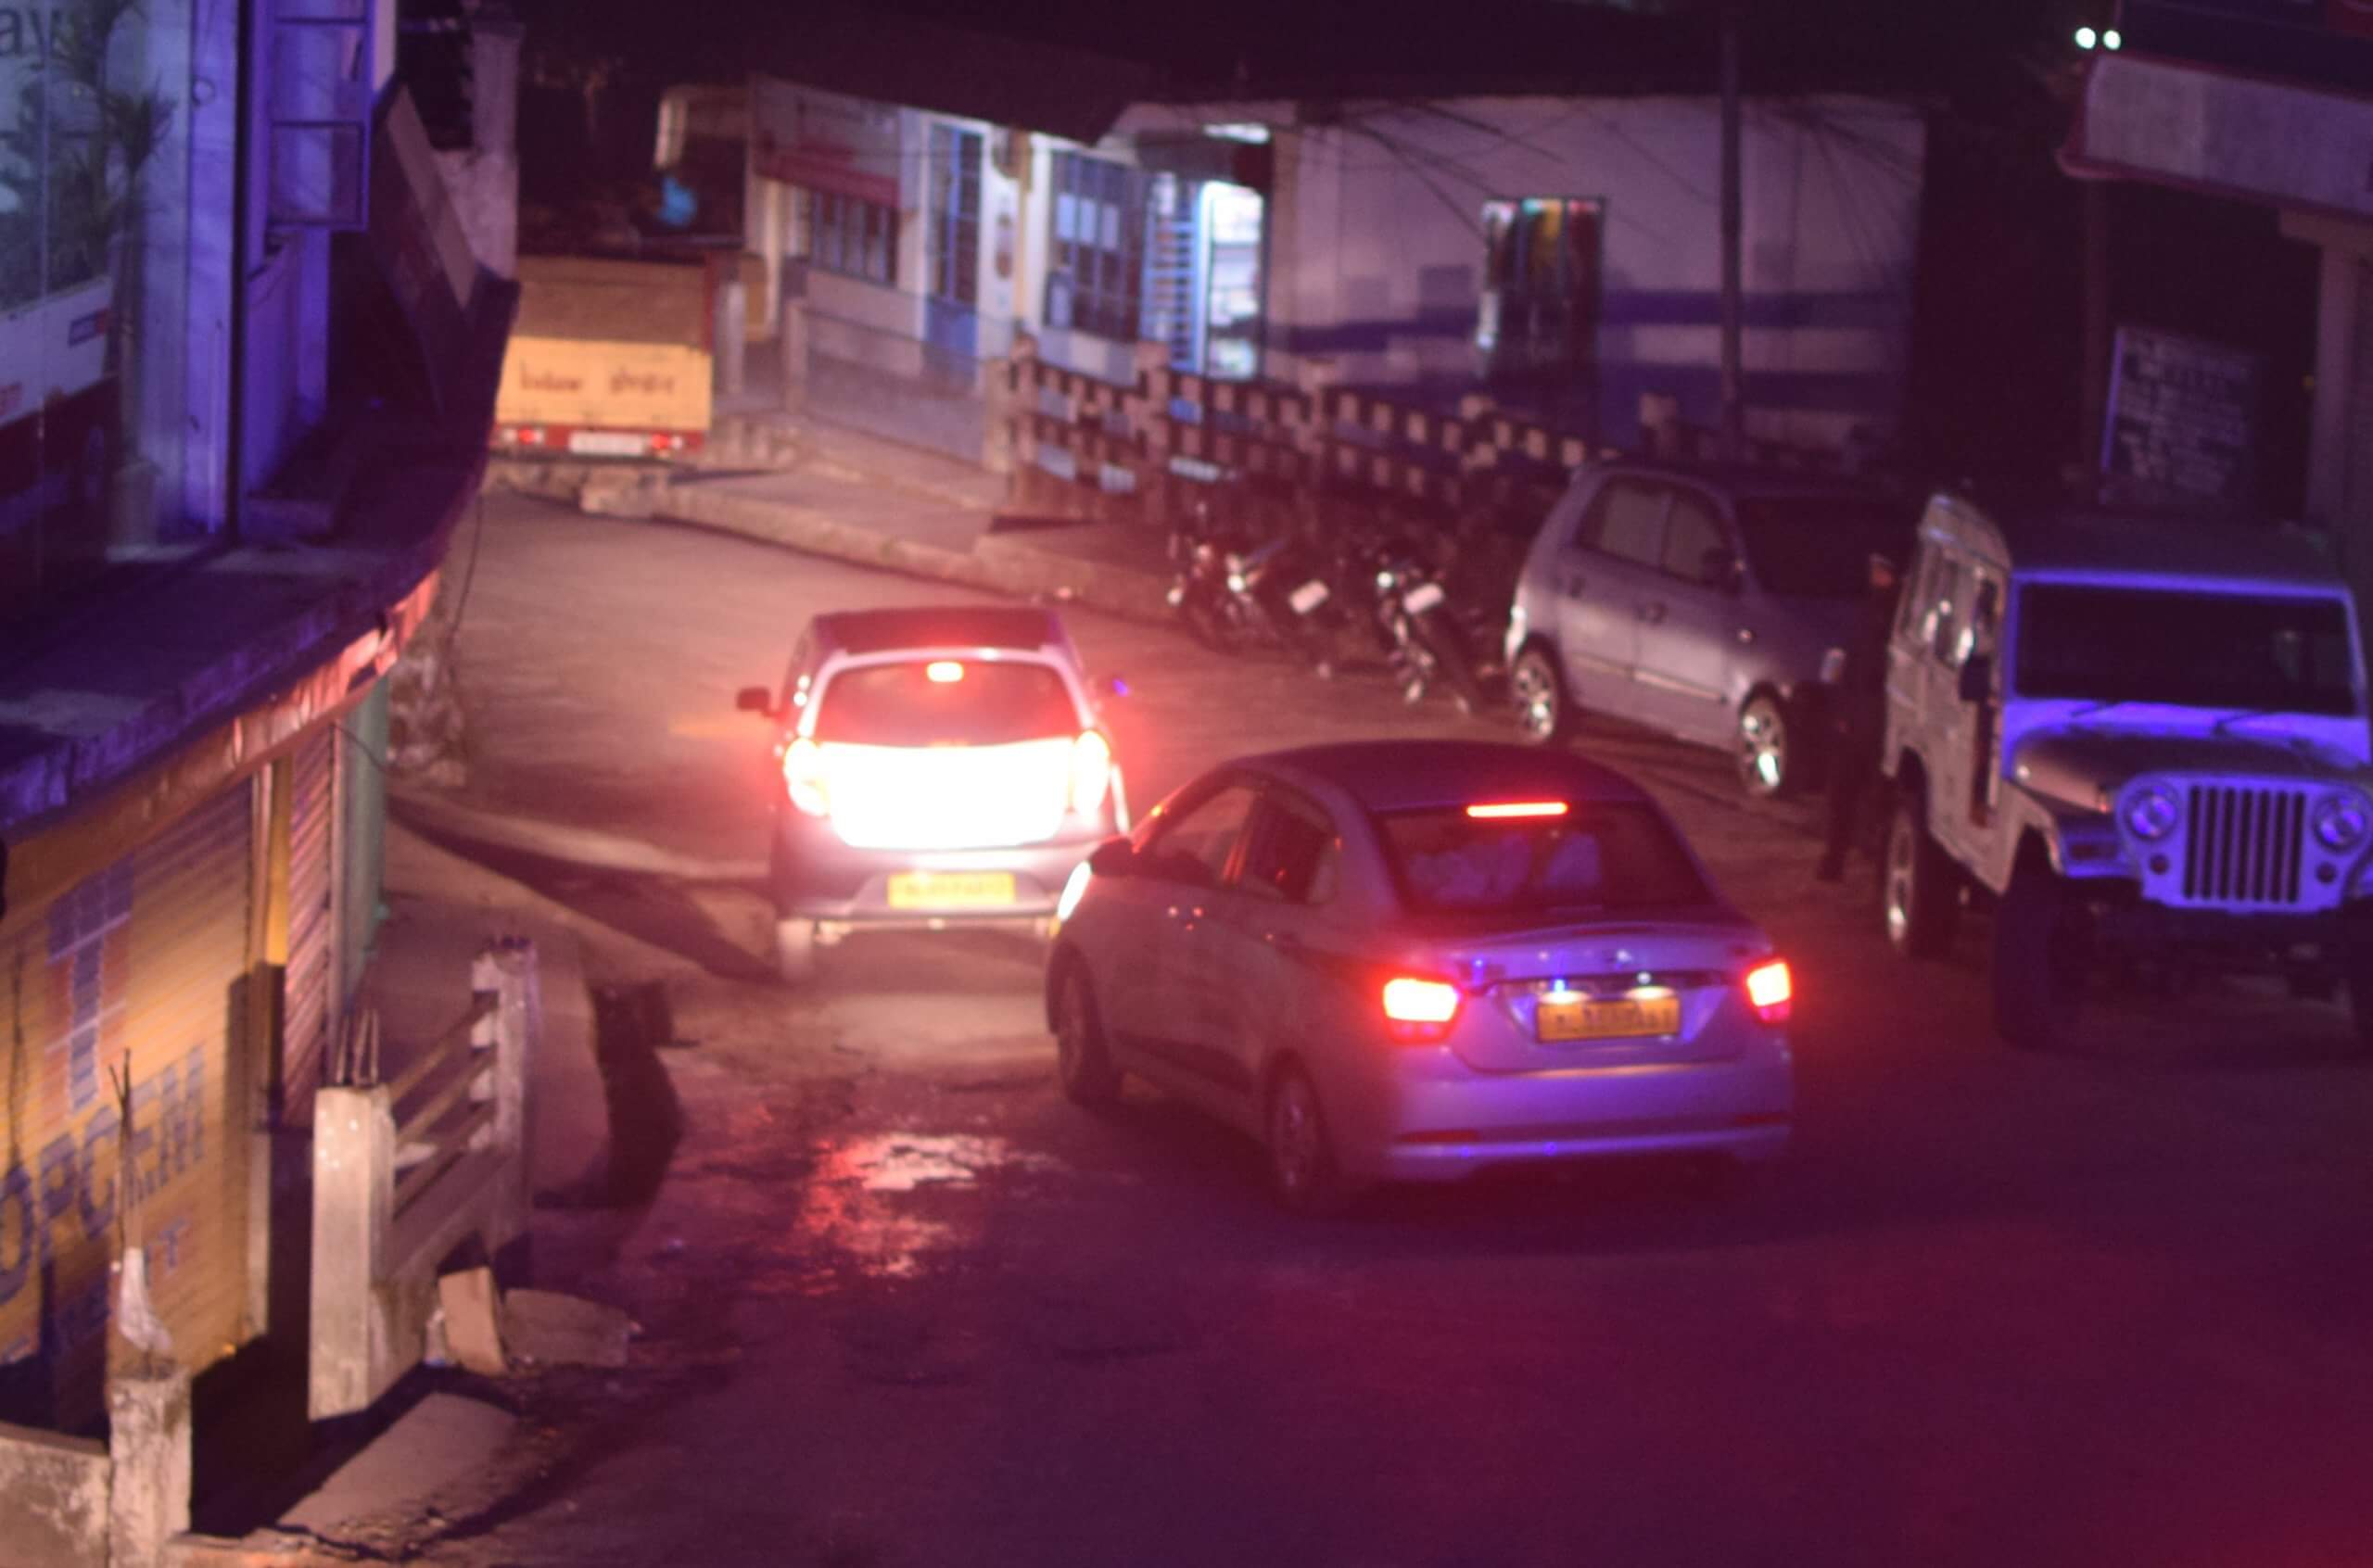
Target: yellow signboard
(606, 386)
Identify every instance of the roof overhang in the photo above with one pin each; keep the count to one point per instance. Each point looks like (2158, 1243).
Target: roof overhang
(866, 53)
(2198, 128)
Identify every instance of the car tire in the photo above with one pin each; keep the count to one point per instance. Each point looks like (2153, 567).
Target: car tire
(1767, 763)
(1209, 624)
(1082, 1066)
(795, 952)
(1537, 691)
(1920, 885)
(2035, 994)
(1303, 1176)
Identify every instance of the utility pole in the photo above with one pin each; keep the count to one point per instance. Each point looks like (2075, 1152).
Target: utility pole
(1734, 401)
(2096, 197)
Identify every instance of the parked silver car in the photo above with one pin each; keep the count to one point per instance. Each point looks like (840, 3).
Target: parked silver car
(1415, 960)
(1711, 605)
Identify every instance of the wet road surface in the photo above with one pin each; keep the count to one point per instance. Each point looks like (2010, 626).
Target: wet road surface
(903, 1305)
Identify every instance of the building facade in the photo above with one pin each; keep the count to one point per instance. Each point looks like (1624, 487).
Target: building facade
(1561, 256)
(2270, 104)
(247, 362)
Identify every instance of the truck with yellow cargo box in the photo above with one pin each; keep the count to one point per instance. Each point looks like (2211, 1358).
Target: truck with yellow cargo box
(609, 359)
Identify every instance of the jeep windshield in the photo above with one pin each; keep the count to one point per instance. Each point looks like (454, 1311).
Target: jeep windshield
(2265, 652)
(1820, 547)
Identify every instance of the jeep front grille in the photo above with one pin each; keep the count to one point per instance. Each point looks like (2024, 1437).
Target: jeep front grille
(2243, 845)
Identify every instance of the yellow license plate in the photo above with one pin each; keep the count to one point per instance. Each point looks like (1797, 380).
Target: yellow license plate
(951, 890)
(1626, 1018)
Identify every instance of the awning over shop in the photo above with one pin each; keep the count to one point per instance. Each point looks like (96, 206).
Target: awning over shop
(2201, 129)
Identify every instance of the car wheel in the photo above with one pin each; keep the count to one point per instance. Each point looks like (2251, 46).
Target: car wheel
(1082, 1065)
(1766, 761)
(2036, 963)
(1544, 712)
(1302, 1172)
(1920, 888)
(795, 952)
(1211, 624)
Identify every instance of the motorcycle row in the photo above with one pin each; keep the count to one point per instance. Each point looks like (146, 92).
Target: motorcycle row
(1373, 587)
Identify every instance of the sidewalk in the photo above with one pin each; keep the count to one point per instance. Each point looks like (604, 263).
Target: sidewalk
(835, 491)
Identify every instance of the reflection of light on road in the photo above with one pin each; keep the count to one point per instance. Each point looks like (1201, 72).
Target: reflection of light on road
(852, 1202)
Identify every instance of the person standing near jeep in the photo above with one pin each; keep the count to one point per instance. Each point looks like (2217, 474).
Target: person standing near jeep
(1860, 716)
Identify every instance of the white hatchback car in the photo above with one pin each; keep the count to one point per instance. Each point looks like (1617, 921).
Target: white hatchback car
(1414, 960)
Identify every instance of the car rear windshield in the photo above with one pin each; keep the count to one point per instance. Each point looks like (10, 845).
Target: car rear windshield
(2268, 653)
(1820, 547)
(1599, 856)
(973, 703)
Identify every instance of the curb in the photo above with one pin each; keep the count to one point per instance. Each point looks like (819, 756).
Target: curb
(995, 565)
(421, 811)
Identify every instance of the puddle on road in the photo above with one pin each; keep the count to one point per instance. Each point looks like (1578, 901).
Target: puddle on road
(852, 1204)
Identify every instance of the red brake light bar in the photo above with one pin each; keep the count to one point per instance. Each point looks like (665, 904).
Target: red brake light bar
(1500, 809)
(1770, 991)
(944, 672)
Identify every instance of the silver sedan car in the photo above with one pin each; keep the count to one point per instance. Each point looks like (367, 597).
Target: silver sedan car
(1414, 960)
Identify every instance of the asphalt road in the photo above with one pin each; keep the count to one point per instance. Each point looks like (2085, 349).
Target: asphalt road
(905, 1306)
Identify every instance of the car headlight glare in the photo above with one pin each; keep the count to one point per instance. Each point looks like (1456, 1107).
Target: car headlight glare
(2152, 812)
(2341, 820)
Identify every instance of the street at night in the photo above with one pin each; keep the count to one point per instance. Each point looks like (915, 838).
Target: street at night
(902, 1304)
(912, 784)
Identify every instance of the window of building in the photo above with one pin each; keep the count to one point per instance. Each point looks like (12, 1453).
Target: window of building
(1096, 284)
(1537, 316)
(96, 415)
(956, 214)
(854, 237)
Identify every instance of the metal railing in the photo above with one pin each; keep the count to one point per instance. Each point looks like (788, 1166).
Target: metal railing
(376, 1244)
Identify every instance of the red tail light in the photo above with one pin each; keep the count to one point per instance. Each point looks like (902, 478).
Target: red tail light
(803, 774)
(1417, 1009)
(1091, 772)
(1770, 991)
(1495, 811)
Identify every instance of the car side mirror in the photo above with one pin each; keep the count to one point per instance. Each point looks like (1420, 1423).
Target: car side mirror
(1977, 677)
(1113, 857)
(754, 699)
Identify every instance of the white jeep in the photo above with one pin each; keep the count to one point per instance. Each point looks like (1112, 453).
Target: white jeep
(2141, 739)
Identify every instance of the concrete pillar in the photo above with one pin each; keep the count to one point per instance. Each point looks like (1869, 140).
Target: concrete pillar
(148, 1446)
(791, 343)
(354, 1183)
(510, 970)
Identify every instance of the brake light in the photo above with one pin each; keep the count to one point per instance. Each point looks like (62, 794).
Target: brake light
(944, 672)
(1504, 809)
(1771, 992)
(1091, 772)
(803, 774)
(1419, 1009)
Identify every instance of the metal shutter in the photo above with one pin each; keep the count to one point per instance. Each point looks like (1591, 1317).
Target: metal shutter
(307, 984)
(146, 958)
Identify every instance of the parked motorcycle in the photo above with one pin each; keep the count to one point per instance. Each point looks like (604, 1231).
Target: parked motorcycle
(1231, 593)
(1420, 630)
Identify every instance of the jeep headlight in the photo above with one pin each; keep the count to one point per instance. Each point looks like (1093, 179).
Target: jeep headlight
(2341, 819)
(2152, 812)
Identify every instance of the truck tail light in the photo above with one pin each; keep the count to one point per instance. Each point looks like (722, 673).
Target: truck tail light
(803, 774)
(1416, 1009)
(1770, 991)
(1091, 772)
